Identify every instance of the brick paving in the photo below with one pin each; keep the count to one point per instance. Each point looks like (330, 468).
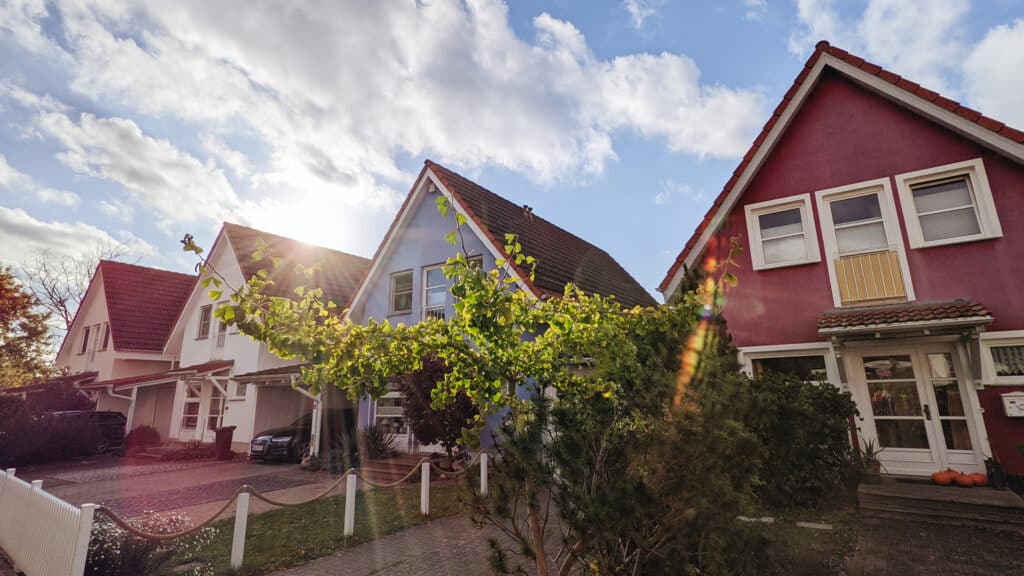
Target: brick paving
(120, 472)
(905, 548)
(199, 494)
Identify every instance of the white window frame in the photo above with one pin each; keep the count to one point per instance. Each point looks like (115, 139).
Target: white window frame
(748, 354)
(890, 222)
(391, 292)
(426, 287)
(981, 194)
(989, 340)
(84, 343)
(105, 337)
(810, 230)
(208, 322)
(220, 337)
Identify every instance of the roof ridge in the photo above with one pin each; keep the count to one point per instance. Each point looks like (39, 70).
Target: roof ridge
(105, 262)
(290, 239)
(824, 47)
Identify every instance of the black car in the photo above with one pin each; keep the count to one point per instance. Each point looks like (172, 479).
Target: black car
(111, 426)
(291, 442)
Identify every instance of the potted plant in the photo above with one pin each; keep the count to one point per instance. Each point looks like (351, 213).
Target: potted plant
(869, 460)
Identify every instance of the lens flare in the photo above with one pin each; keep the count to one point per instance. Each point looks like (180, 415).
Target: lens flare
(703, 333)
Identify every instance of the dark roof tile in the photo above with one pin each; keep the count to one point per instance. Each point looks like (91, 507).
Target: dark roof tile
(143, 303)
(882, 316)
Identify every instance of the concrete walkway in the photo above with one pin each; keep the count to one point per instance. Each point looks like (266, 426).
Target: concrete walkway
(448, 546)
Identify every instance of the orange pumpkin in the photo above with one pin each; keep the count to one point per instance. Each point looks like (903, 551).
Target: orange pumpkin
(979, 479)
(964, 480)
(942, 478)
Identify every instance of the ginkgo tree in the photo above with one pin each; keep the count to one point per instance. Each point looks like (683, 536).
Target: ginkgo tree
(514, 356)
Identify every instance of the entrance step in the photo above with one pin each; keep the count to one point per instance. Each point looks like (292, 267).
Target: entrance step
(922, 501)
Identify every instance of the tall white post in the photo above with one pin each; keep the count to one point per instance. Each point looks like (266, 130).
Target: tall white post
(238, 538)
(483, 473)
(350, 504)
(86, 514)
(425, 489)
(37, 485)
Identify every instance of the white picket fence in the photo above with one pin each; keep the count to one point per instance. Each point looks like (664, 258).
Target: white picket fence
(42, 534)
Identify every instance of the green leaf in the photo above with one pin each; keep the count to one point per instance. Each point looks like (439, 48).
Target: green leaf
(450, 237)
(460, 218)
(206, 281)
(442, 206)
(216, 294)
(228, 314)
(217, 283)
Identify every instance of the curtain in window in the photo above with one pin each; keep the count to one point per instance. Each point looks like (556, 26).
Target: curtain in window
(782, 236)
(946, 210)
(1009, 360)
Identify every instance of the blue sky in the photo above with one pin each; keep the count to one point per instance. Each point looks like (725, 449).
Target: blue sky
(136, 122)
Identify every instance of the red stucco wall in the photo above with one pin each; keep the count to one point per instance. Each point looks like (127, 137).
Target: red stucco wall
(843, 135)
(1003, 433)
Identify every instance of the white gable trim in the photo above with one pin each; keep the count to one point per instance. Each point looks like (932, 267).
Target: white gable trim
(198, 289)
(418, 191)
(927, 109)
(87, 300)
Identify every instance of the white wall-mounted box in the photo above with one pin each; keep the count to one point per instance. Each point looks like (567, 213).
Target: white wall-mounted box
(1013, 404)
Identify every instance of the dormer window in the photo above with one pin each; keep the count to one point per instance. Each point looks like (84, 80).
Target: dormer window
(948, 205)
(435, 293)
(203, 331)
(401, 292)
(85, 340)
(782, 233)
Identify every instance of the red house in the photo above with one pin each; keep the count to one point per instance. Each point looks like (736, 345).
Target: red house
(883, 236)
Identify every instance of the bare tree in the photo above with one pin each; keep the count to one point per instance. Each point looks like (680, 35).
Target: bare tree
(59, 282)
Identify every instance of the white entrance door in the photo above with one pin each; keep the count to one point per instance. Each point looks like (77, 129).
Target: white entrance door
(913, 403)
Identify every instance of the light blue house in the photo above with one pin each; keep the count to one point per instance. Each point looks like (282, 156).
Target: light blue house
(405, 282)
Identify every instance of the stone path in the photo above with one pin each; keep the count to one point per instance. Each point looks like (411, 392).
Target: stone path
(200, 494)
(118, 472)
(894, 547)
(448, 546)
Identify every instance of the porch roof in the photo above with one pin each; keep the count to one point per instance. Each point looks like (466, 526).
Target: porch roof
(71, 379)
(162, 377)
(894, 317)
(271, 373)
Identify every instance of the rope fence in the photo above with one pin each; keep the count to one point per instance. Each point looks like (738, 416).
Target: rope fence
(240, 498)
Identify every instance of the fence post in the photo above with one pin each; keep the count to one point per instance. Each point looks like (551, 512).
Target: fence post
(425, 489)
(483, 473)
(350, 504)
(37, 485)
(86, 512)
(238, 537)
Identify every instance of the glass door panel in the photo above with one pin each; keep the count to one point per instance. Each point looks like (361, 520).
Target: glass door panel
(895, 402)
(949, 405)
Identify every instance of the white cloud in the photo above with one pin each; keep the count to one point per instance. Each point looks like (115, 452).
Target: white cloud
(992, 73)
(21, 234)
(225, 155)
(15, 180)
(640, 10)
(172, 183)
(918, 39)
(336, 91)
(117, 210)
(755, 9)
(671, 189)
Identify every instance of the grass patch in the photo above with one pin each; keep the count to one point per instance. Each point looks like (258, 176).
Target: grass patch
(295, 535)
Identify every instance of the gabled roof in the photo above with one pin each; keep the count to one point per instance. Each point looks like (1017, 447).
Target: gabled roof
(143, 303)
(562, 257)
(339, 275)
(895, 315)
(970, 123)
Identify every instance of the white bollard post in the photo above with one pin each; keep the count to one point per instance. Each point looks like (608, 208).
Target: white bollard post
(86, 514)
(238, 538)
(483, 473)
(37, 485)
(425, 489)
(350, 505)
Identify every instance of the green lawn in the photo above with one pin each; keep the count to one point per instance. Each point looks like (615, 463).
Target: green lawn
(799, 551)
(294, 535)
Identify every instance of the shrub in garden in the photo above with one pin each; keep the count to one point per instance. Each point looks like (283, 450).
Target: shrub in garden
(140, 438)
(115, 552)
(376, 444)
(192, 450)
(804, 427)
(434, 425)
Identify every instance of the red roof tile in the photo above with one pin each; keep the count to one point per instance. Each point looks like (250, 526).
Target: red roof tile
(888, 315)
(143, 303)
(562, 257)
(824, 47)
(339, 275)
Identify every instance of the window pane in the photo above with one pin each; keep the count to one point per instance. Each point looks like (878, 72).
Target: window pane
(402, 282)
(436, 297)
(954, 224)
(1009, 360)
(805, 367)
(861, 238)
(792, 248)
(901, 434)
(933, 197)
(856, 209)
(941, 366)
(780, 223)
(956, 434)
(435, 277)
(402, 302)
(947, 399)
(888, 368)
(894, 399)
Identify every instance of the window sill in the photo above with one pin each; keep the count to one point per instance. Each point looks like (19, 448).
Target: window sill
(917, 244)
(759, 266)
(396, 314)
